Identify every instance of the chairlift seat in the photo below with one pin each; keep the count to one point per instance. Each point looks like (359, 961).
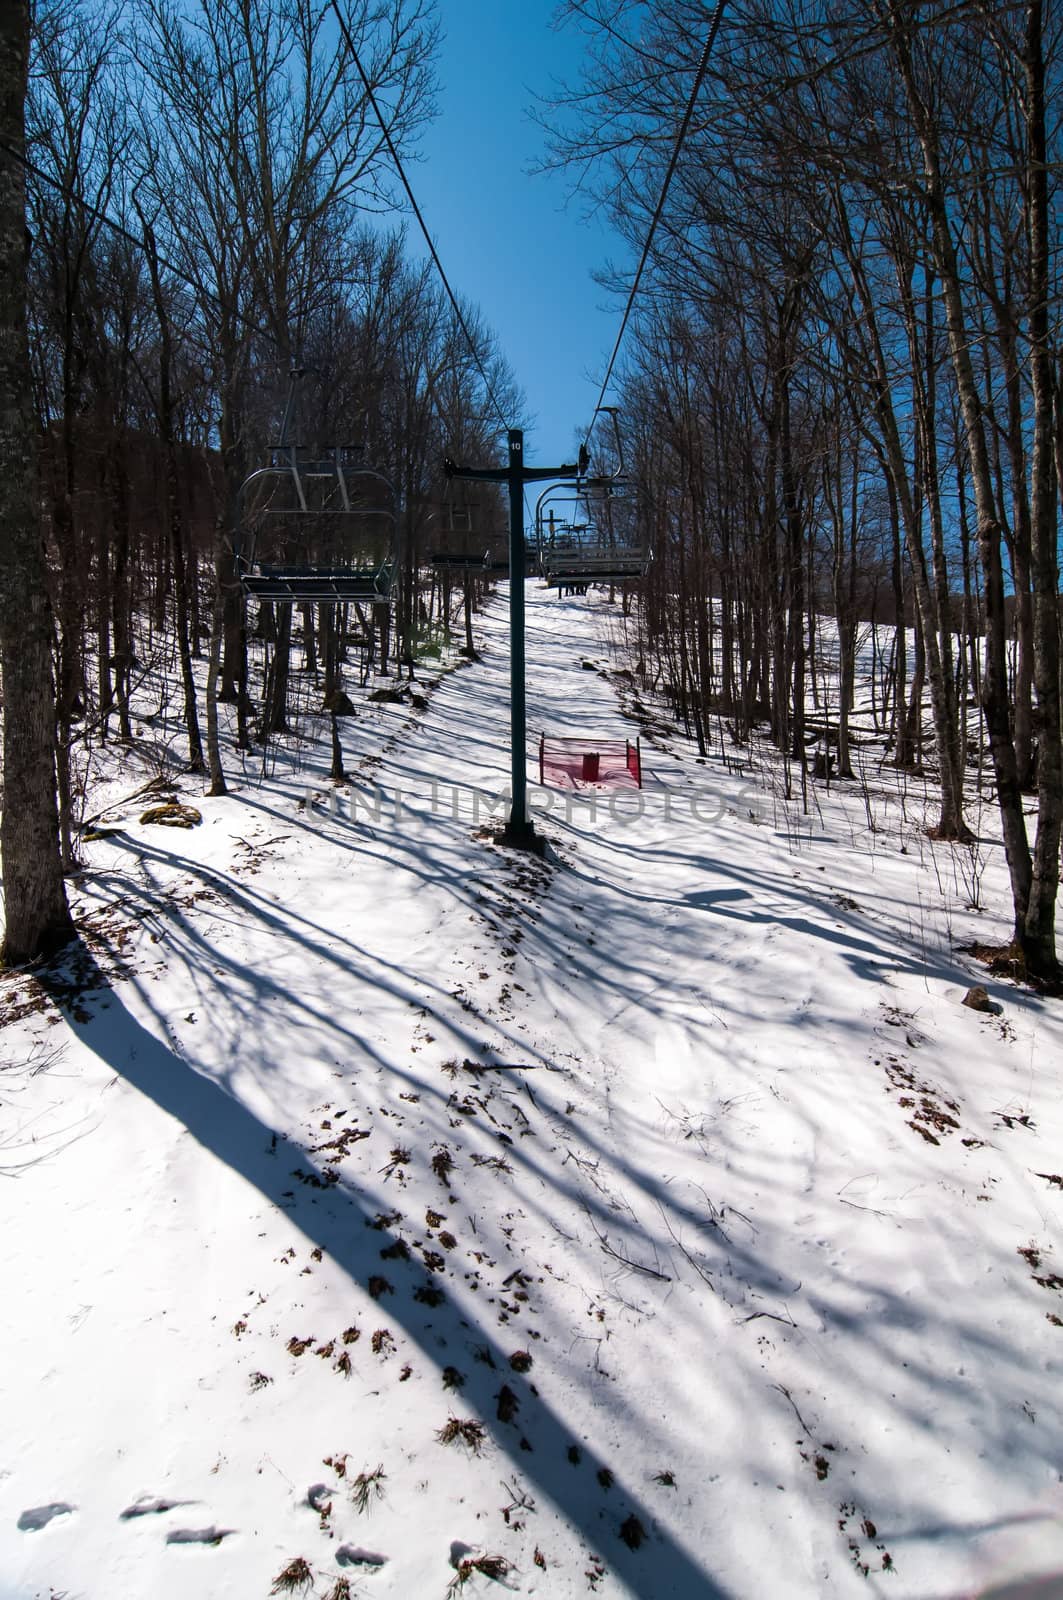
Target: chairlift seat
(618, 567)
(352, 505)
(319, 584)
(457, 561)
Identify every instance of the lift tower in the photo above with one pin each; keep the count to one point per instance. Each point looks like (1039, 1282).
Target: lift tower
(519, 830)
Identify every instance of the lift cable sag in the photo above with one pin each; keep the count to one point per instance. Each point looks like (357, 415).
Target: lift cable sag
(714, 28)
(393, 152)
(138, 241)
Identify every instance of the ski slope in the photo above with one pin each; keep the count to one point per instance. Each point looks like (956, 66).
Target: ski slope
(653, 1218)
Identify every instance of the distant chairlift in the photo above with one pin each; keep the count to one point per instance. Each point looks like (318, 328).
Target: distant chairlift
(595, 541)
(325, 508)
(585, 546)
(578, 554)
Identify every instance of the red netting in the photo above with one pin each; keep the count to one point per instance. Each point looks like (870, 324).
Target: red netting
(570, 762)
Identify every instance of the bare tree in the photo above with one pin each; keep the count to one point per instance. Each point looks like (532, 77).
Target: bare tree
(37, 917)
(278, 150)
(76, 137)
(912, 148)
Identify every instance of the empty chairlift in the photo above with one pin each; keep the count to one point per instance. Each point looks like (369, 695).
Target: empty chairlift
(592, 544)
(316, 524)
(460, 548)
(596, 538)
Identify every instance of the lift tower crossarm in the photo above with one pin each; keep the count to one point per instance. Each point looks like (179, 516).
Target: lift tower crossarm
(519, 830)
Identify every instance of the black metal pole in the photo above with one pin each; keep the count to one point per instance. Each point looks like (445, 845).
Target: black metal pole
(519, 830)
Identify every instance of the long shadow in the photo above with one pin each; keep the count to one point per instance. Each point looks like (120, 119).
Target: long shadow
(355, 963)
(865, 957)
(336, 1221)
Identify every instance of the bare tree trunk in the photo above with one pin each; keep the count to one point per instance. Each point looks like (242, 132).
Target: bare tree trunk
(1038, 932)
(222, 566)
(37, 917)
(795, 575)
(337, 771)
(173, 508)
(275, 707)
(309, 641)
(470, 647)
(103, 627)
(122, 611)
(328, 640)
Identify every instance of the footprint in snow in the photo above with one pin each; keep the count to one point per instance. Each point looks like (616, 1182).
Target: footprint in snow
(146, 1507)
(212, 1536)
(348, 1556)
(38, 1517)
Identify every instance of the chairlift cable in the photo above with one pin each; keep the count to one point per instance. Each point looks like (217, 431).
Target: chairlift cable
(138, 241)
(714, 28)
(459, 314)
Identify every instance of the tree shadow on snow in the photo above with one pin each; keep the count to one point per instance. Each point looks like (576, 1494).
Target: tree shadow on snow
(335, 1220)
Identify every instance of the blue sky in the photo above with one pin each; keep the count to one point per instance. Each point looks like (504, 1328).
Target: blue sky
(505, 238)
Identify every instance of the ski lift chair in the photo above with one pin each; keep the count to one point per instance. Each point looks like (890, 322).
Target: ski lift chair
(459, 549)
(582, 554)
(315, 525)
(336, 515)
(469, 541)
(590, 550)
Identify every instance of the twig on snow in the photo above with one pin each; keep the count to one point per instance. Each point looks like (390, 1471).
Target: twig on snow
(681, 1247)
(875, 1212)
(476, 1067)
(787, 1321)
(589, 1167)
(636, 1266)
(785, 1391)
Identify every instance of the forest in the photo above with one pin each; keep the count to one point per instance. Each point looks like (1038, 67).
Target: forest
(656, 1195)
(839, 395)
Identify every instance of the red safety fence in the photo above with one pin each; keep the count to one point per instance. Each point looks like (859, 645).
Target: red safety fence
(569, 762)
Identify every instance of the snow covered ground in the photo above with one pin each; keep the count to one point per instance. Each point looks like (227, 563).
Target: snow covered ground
(653, 1219)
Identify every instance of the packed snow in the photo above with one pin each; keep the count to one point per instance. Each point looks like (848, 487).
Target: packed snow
(388, 1213)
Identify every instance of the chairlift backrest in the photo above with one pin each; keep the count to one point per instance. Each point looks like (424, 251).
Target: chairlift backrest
(467, 540)
(316, 524)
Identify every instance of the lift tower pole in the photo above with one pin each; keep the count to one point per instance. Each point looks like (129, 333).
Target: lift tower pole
(519, 830)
